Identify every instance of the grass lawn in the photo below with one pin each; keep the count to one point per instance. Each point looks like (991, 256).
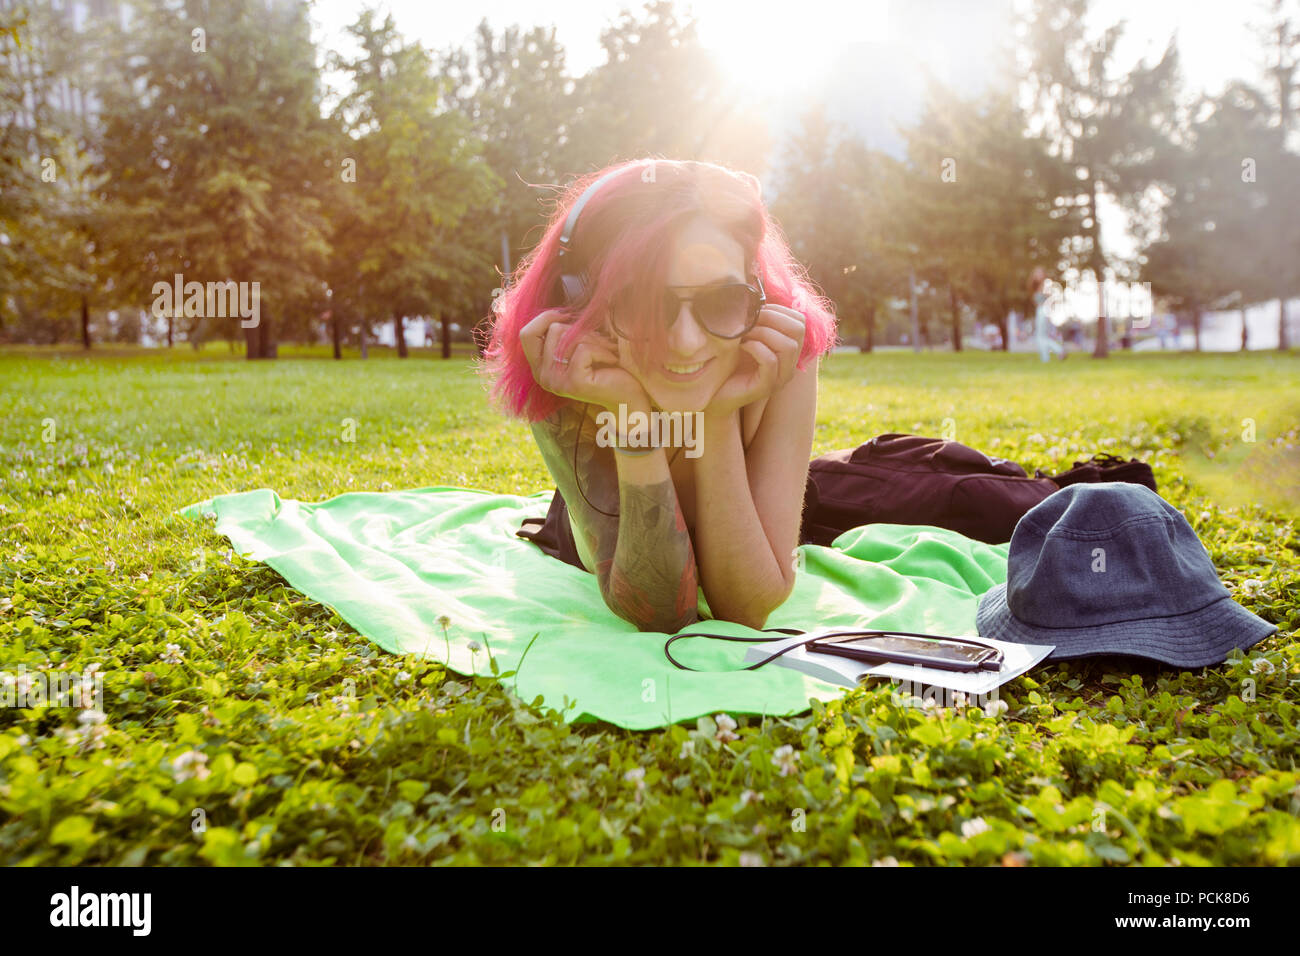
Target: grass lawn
(1096, 763)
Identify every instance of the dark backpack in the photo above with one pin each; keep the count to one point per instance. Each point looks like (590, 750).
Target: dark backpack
(910, 479)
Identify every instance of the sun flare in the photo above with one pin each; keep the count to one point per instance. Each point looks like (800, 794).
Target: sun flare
(775, 49)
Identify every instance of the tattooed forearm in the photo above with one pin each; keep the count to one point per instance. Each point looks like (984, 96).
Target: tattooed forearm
(650, 578)
(641, 547)
(556, 437)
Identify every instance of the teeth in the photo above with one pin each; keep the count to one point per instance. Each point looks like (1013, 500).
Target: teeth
(684, 369)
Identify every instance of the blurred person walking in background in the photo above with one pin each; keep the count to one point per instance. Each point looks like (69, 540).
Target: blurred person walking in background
(1042, 320)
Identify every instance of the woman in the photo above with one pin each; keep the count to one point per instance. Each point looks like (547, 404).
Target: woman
(1042, 320)
(670, 318)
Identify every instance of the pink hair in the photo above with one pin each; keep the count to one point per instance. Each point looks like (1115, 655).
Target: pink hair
(622, 242)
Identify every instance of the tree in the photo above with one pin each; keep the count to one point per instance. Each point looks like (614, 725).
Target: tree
(50, 252)
(417, 174)
(660, 93)
(519, 101)
(980, 206)
(1283, 42)
(1229, 230)
(216, 158)
(1107, 126)
(832, 201)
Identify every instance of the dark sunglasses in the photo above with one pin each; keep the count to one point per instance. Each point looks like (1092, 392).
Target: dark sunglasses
(727, 311)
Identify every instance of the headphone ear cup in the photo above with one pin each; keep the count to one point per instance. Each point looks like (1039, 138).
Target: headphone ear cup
(574, 287)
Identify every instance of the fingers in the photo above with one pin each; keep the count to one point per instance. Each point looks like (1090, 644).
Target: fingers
(786, 321)
(591, 371)
(534, 336)
(789, 321)
(785, 348)
(599, 350)
(589, 339)
(550, 371)
(769, 365)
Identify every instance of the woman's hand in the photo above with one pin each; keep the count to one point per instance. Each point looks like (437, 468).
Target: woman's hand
(773, 346)
(590, 373)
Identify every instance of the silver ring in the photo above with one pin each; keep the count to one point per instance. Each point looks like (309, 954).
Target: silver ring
(560, 361)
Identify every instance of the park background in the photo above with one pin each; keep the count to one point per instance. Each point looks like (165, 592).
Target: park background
(244, 723)
(922, 158)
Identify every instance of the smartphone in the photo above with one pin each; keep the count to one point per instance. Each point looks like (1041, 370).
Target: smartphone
(894, 649)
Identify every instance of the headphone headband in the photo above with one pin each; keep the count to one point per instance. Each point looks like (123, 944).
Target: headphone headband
(566, 236)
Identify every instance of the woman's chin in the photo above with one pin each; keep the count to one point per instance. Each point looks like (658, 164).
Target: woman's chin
(670, 398)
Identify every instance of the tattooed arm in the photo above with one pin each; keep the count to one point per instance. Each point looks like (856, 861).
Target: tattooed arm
(643, 557)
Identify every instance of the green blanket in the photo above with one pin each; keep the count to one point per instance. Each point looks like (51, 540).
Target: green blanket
(394, 564)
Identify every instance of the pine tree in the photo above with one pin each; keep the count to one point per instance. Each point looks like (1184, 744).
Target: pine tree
(1105, 125)
(416, 174)
(216, 159)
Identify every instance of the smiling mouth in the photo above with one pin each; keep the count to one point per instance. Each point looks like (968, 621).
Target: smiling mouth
(680, 373)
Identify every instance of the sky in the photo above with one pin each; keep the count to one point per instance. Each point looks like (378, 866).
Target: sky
(866, 58)
(956, 38)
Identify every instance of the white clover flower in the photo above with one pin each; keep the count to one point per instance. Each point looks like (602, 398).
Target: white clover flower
(191, 764)
(749, 796)
(688, 750)
(959, 699)
(403, 677)
(87, 717)
(92, 736)
(1261, 665)
(475, 646)
(1252, 586)
(995, 707)
(885, 861)
(974, 827)
(751, 859)
(783, 758)
(637, 775)
(174, 654)
(726, 728)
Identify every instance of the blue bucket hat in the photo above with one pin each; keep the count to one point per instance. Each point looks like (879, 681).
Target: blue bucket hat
(1113, 568)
